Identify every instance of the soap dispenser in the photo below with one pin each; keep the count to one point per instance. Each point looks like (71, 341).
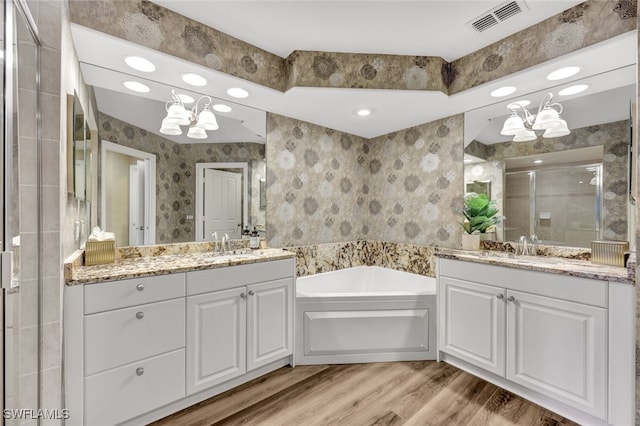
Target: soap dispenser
(254, 240)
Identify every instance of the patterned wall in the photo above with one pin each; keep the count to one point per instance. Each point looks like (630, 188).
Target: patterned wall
(581, 26)
(148, 24)
(315, 184)
(614, 137)
(327, 186)
(327, 69)
(175, 173)
(153, 26)
(416, 183)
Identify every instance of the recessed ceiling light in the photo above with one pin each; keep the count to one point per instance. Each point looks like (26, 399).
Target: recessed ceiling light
(136, 87)
(222, 108)
(538, 161)
(186, 99)
(363, 112)
(140, 64)
(468, 160)
(503, 91)
(194, 79)
(573, 90)
(563, 73)
(237, 92)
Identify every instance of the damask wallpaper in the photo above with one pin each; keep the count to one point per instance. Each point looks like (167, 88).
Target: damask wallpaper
(327, 186)
(146, 23)
(175, 173)
(416, 184)
(315, 184)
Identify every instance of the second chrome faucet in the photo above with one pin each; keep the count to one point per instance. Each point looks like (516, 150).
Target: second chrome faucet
(527, 246)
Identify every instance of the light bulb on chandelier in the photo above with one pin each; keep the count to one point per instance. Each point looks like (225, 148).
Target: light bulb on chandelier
(521, 124)
(199, 120)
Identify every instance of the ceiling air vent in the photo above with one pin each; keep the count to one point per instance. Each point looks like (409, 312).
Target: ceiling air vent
(497, 15)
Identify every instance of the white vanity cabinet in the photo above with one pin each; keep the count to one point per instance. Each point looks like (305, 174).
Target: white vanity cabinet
(239, 329)
(138, 350)
(124, 348)
(545, 336)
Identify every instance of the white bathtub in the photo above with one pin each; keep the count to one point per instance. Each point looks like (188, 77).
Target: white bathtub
(365, 314)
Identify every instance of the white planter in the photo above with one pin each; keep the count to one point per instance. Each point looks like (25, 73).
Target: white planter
(470, 241)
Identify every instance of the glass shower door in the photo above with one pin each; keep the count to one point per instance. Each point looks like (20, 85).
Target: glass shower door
(21, 221)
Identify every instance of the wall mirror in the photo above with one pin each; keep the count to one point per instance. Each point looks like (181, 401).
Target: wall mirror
(568, 190)
(149, 182)
(78, 150)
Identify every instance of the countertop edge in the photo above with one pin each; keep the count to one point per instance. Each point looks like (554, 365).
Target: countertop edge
(111, 272)
(606, 273)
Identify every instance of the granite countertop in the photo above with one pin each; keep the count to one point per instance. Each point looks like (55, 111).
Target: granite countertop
(555, 265)
(169, 264)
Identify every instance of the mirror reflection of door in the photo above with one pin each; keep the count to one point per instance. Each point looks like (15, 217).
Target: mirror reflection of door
(128, 202)
(222, 203)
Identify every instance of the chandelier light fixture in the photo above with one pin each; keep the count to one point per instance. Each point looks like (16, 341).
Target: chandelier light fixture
(522, 124)
(198, 120)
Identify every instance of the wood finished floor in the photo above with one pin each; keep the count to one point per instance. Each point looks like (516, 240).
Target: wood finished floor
(399, 393)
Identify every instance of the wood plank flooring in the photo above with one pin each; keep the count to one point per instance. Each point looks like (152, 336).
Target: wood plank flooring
(397, 393)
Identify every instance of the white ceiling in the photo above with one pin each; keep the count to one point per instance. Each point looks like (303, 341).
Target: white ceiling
(588, 155)
(330, 107)
(418, 27)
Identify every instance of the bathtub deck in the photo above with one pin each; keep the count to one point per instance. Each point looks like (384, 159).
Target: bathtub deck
(400, 393)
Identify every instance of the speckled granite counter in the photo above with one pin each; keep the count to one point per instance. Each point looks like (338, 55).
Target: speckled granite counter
(555, 265)
(168, 264)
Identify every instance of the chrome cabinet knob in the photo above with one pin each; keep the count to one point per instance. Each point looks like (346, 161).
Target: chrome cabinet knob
(243, 295)
(510, 299)
(140, 287)
(251, 293)
(139, 371)
(140, 315)
(500, 296)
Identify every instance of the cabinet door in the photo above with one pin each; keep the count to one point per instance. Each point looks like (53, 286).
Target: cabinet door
(472, 323)
(269, 322)
(216, 338)
(558, 348)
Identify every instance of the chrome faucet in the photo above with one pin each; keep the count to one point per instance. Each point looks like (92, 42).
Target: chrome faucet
(533, 245)
(523, 246)
(225, 241)
(214, 237)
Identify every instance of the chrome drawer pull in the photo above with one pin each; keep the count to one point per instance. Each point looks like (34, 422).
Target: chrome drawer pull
(500, 296)
(511, 299)
(139, 371)
(140, 315)
(251, 293)
(140, 287)
(243, 296)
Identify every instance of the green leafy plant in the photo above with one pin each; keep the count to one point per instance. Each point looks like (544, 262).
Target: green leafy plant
(479, 213)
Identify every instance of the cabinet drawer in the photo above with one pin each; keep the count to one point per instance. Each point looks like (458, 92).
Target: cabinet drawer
(124, 293)
(120, 394)
(199, 282)
(573, 289)
(119, 337)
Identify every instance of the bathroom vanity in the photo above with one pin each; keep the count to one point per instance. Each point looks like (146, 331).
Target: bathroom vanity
(147, 337)
(558, 332)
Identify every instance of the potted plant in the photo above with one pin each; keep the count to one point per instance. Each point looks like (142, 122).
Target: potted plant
(479, 215)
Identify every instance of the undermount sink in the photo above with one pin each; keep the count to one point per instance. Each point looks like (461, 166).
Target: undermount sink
(218, 257)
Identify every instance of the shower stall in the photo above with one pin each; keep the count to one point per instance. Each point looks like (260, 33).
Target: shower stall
(562, 204)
